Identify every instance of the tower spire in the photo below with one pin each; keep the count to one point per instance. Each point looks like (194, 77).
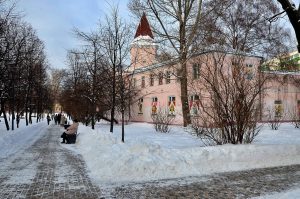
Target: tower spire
(144, 28)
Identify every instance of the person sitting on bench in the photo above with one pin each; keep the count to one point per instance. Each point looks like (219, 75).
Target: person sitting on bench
(71, 131)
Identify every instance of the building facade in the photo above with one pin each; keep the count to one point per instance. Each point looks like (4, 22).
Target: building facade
(158, 83)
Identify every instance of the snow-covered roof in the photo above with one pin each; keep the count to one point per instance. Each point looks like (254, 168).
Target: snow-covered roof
(144, 41)
(176, 60)
(282, 72)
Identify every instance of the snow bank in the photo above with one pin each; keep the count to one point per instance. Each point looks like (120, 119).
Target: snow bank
(20, 138)
(139, 159)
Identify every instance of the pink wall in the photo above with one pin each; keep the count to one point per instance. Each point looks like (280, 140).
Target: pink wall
(164, 91)
(282, 88)
(161, 92)
(144, 58)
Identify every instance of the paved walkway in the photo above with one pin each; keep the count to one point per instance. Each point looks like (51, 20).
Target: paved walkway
(47, 170)
(245, 184)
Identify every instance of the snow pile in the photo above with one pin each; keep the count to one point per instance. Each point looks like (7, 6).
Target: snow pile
(141, 158)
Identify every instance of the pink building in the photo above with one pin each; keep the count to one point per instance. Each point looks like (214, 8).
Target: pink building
(159, 86)
(281, 96)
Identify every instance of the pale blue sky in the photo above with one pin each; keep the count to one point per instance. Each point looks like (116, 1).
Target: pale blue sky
(54, 20)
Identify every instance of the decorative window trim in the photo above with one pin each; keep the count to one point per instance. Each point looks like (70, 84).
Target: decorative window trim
(140, 106)
(194, 105)
(172, 105)
(278, 106)
(154, 105)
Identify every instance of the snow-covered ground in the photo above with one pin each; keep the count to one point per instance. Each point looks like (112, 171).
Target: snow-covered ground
(290, 194)
(148, 155)
(20, 138)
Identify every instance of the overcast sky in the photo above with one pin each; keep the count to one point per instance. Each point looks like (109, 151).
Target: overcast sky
(54, 20)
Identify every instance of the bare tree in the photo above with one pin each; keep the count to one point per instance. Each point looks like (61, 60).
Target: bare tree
(7, 20)
(177, 24)
(21, 51)
(74, 84)
(229, 98)
(294, 16)
(116, 36)
(242, 26)
(93, 61)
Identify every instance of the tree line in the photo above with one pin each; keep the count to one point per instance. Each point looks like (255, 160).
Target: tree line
(97, 84)
(23, 79)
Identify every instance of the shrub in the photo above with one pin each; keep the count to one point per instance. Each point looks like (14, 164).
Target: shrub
(162, 120)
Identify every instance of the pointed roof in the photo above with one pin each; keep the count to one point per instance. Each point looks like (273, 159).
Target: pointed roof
(143, 28)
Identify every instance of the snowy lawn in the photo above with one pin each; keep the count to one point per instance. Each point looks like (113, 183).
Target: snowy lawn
(19, 139)
(148, 155)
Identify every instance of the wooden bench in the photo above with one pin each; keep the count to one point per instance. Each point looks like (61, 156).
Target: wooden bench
(71, 139)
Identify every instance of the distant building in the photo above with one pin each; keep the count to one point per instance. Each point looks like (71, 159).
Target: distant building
(281, 97)
(57, 108)
(287, 62)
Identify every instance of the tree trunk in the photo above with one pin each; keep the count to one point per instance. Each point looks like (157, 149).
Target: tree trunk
(294, 17)
(13, 120)
(123, 130)
(112, 113)
(93, 118)
(30, 117)
(184, 93)
(6, 121)
(18, 120)
(26, 116)
(4, 116)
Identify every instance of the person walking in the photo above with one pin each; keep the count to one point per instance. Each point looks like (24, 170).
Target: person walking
(48, 119)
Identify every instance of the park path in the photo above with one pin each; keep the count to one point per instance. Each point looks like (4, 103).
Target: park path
(48, 170)
(243, 184)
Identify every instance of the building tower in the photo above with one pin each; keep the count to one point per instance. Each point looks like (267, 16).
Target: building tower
(143, 48)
